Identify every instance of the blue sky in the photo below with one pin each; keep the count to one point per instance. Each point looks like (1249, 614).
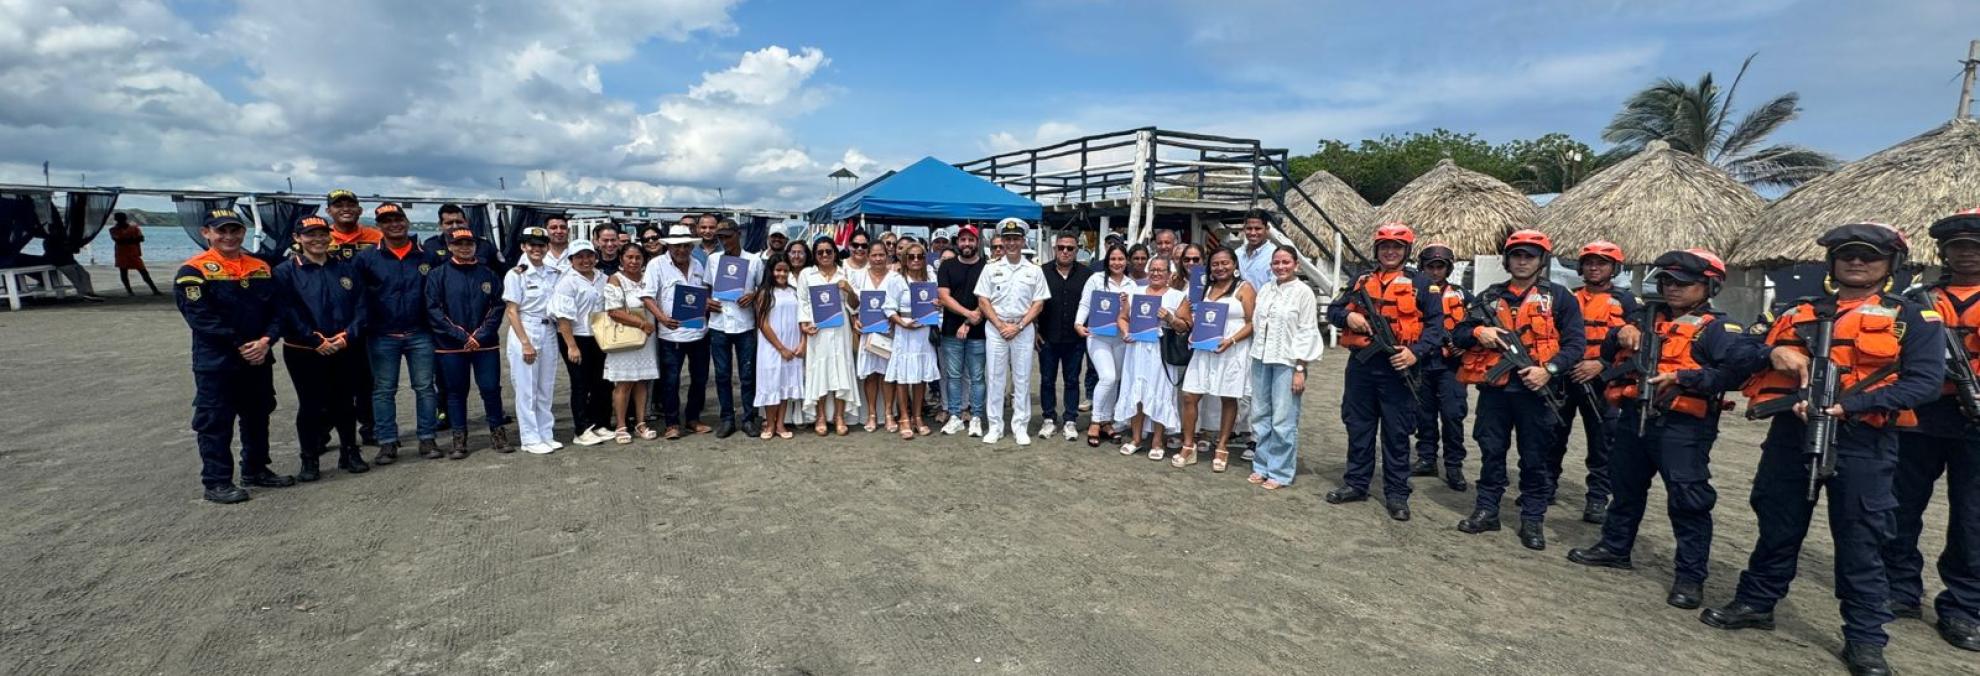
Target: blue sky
(666, 101)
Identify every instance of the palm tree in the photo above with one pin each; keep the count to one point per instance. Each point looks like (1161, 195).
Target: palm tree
(1693, 119)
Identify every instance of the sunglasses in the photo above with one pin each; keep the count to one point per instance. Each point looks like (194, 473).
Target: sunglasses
(857, 245)
(1192, 259)
(1858, 255)
(1065, 248)
(649, 240)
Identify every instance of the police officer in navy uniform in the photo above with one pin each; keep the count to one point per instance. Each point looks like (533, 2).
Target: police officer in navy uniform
(1545, 320)
(464, 309)
(1440, 407)
(1703, 357)
(1946, 442)
(1376, 393)
(228, 299)
(322, 311)
(1890, 358)
(1603, 309)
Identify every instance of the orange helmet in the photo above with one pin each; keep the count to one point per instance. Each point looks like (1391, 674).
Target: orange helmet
(1602, 248)
(1395, 231)
(1532, 238)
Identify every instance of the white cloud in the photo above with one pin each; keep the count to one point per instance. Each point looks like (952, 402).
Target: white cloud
(765, 77)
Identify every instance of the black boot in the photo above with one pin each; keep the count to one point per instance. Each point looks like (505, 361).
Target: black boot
(429, 449)
(366, 436)
(1686, 594)
(1737, 615)
(1600, 557)
(351, 459)
(1532, 536)
(308, 470)
(1961, 634)
(498, 440)
(459, 451)
(1596, 511)
(1906, 610)
(1344, 495)
(1480, 521)
(1424, 468)
(1399, 510)
(1864, 659)
(267, 479)
(388, 453)
(226, 495)
(1454, 478)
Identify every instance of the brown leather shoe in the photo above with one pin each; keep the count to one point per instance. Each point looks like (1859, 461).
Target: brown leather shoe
(388, 453)
(429, 449)
(498, 440)
(460, 451)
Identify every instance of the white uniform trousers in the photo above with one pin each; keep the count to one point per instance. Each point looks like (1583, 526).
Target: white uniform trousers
(1010, 365)
(536, 383)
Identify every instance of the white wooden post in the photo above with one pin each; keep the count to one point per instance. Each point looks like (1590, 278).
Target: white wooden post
(1138, 188)
(255, 214)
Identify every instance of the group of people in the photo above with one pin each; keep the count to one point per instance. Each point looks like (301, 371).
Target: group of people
(1538, 354)
(1171, 344)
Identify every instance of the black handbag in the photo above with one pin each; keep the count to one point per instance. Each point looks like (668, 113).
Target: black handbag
(1175, 348)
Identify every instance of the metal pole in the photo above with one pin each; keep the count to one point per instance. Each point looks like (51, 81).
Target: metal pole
(255, 214)
(1966, 86)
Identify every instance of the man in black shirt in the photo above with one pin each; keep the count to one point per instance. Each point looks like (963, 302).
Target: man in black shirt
(963, 355)
(1061, 349)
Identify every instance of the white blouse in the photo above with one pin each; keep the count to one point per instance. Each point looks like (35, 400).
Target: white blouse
(576, 298)
(1286, 324)
(1100, 282)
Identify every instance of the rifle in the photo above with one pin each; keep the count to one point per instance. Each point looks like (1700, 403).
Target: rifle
(1959, 370)
(1819, 446)
(1513, 356)
(1643, 364)
(1382, 338)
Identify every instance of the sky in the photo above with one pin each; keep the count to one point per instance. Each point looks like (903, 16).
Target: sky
(753, 103)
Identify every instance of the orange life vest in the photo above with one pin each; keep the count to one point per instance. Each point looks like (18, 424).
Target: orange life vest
(1453, 298)
(1679, 335)
(1865, 340)
(1397, 301)
(1961, 315)
(1600, 314)
(1532, 322)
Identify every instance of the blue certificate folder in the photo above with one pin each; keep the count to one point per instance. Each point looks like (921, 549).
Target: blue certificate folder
(1103, 313)
(690, 306)
(731, 276)
(1199, 282)
(1208, 330)
(1144, 318)
(923, 308)
(828, 308)
(873, 312)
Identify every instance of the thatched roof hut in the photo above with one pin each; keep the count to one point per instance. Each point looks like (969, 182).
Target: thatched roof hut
(1655, 201)
(1907, 185)
(1468, 210)
(1342, 204)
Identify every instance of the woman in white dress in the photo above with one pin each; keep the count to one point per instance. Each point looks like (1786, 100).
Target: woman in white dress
(872, 367)
(629, 370)
(1224, 373)
(1148, 388)
(1104, 353)
(828, 362)
(779, 348)
(913, 365)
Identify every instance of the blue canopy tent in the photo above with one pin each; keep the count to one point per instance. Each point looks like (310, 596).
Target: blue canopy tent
(928, 190)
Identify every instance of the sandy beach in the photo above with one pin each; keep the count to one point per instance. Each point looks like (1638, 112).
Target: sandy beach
(861, 554)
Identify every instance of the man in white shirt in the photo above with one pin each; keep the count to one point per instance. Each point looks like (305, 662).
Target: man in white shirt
(1255, 257)
(678, 344)
(1011, 293)
(732, 332)
(559, 227)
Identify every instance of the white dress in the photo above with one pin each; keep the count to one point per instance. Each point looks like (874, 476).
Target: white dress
(828, 358)
(1146, 381)
(639, 363)
(779, 381)
(914, 357)
(869, 363)
(1226, 374)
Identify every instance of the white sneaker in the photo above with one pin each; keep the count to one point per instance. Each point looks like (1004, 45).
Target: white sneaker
(955, 425)
(976, 427)
(1022, 438)
(1072, 430)
(554, 444)
(1046, 429)
(539, 449)
(994, 436)
(1086, 406)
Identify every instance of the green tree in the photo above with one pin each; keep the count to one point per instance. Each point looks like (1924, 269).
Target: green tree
(1694, 118)
(1377, 168)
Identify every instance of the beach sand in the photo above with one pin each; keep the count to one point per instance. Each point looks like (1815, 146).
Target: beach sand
(861, 554)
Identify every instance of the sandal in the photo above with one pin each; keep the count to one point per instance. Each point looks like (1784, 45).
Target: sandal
(869, 426)
(1093, 435)
(906, 433)
(784, 434)
(1221, 461)
(673, 433)
(1255, 478)
(1155, 452)
(1127, 449)
(821, 428)
(1273, 485)
(841, 429)
(645, 432)
(922, 430)
(699, 427)
(766, 434)
(1183, 460)
(893, 426)
(622, 436)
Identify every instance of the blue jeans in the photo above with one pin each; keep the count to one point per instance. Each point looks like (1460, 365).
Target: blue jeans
(672, 356)
(1274, 422)
(486, 368)
(386, 351)
(1060, 361)
(958, 357)
(735, 353)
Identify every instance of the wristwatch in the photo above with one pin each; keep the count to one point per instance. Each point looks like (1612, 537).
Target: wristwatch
(1553, 370)
(1301, 368)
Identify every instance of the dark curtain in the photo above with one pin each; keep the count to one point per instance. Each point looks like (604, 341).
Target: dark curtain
(18, 225)
(755, 233)
(477, 215)
(192, 213)
(279, 219)
(515, 219)
(87, 213)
